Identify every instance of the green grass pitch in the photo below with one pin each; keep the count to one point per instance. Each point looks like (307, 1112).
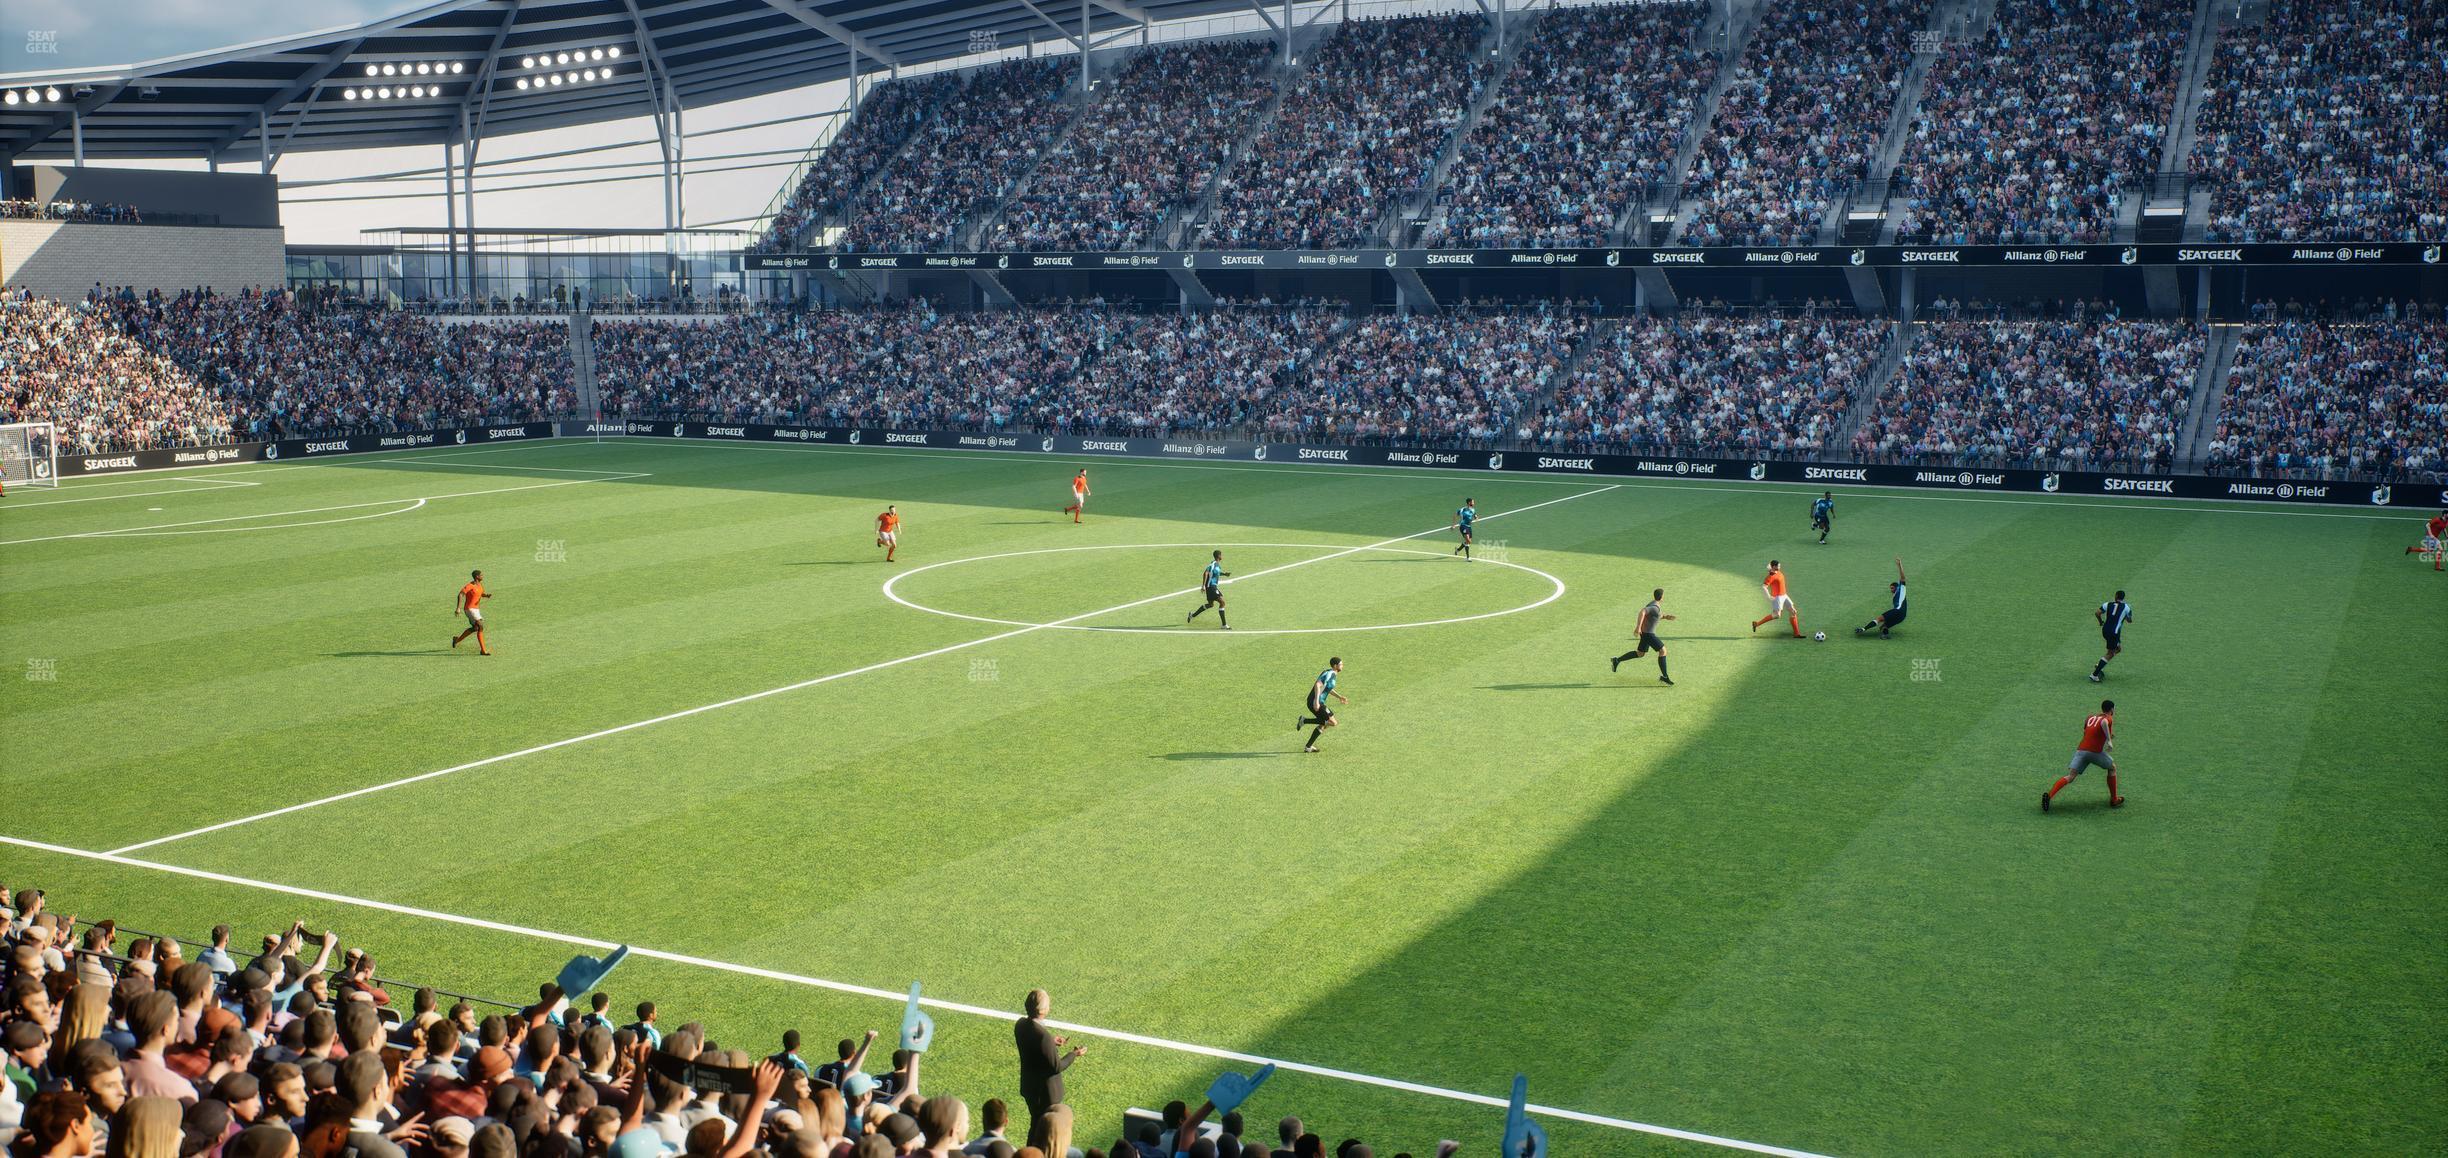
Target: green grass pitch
(1804, 898)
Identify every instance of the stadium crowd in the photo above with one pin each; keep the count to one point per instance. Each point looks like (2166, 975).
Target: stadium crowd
(1589, 116)
(1205, 373)
(1158, 132)
(101, 388)
(1717, 383)
(2072, 393)
(883, 122)
(1457, 377)
(1363, 125)
(2312, 398)
(2328, 122)
(123, 371)
(2036, 135)
(972, 145)
(116, 1043)
(765, 367)
(1802, 118)
(88, 211)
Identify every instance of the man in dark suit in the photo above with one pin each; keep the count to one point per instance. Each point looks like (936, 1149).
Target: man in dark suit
(1042, 1060)
(367, 1087)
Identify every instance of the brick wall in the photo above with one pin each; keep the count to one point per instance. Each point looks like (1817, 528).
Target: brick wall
(60, 259)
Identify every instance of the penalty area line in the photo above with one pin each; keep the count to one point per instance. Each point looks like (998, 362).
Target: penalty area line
(845, 987)
(768, 693)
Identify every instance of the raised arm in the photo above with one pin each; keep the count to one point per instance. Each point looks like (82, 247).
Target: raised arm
(768, 1079)
(1899, 569)
(852, 1066)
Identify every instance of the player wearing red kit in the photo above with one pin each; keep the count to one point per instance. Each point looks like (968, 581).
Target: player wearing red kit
(2430, 545)
(2098, 739)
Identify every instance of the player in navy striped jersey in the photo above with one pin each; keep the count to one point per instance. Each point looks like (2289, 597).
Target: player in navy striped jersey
(1894, 614)
(1319, 714)
(1464, 516)
(2113, 616)
(1213, 582)
(1823, 509)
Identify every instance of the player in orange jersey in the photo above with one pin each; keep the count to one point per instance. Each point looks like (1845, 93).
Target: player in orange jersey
(471, 595)
(1079, 495)
(1779, 604)
(888, 530)
(2099, 738)
(2430, 546)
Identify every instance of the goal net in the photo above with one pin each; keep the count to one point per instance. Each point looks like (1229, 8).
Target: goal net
(29, 455)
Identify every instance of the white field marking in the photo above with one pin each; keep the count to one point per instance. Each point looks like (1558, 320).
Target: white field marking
(214, 483)
(598, 944)
(413, 505)
(1443, 474)
(419, 500)
(889, 593)
(752, 697)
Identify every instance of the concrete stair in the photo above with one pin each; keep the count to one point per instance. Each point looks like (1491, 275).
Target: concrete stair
(1840, 447)
(2209, 395)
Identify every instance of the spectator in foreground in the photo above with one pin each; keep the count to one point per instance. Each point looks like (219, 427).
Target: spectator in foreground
(1042, 1060)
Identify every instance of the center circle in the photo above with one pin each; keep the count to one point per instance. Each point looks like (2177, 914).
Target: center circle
(1329, 551)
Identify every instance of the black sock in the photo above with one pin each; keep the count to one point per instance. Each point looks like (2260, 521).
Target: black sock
(1625, 656)
(1314, 733)
(1662, 665)
(1222, 618)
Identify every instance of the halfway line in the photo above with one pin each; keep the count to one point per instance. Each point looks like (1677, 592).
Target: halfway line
(935, 1003)
(752, 697)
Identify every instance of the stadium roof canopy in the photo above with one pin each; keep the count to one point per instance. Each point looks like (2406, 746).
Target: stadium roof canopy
(293, 92)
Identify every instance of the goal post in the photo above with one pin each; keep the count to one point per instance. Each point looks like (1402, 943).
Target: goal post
(29, 455)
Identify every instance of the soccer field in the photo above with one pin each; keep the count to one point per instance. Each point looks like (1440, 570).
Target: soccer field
(1804, 898)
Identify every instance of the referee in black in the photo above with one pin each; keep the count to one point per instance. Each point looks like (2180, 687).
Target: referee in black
(1650, 615)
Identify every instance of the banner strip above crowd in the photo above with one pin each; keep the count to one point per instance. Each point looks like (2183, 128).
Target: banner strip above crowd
(2425, 495)
(1555, 463)
(1631, 258)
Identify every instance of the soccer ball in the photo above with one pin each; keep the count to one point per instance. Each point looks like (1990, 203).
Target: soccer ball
(1821, 636)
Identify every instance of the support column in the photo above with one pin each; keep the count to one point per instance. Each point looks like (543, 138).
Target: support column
(450, 222)
(1500, 25)
(467, 190)
(76, 133)
(1088, 52)
(1287, 33)
(263, 135)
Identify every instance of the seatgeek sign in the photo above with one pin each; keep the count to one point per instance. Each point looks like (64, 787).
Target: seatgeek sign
(1555, 463)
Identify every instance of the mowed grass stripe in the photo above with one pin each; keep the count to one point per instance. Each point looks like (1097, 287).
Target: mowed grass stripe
(2329, 1030)
(2082, 948)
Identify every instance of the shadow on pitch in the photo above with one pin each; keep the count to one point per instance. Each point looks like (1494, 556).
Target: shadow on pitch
(1221, 756)
(833, 563)
(378, 654)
